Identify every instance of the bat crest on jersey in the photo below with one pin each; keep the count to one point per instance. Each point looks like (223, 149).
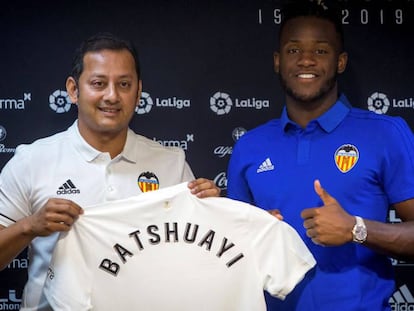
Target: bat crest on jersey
(148, 181)
(346, 157)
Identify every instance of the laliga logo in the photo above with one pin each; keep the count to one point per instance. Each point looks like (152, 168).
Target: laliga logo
(378, 103)
(59, 101)
(145, 104)
(221, 103)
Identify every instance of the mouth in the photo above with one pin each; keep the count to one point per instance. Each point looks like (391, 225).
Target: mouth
(109, 110)
(306, 75)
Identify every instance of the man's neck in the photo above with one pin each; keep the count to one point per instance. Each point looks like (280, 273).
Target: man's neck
(304, 112)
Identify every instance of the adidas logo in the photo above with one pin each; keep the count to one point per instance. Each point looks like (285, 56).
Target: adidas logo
(67, 188)
(266, 166)
(402, 299)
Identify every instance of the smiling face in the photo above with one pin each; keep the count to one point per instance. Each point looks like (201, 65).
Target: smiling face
(309, 60)
(107, 93)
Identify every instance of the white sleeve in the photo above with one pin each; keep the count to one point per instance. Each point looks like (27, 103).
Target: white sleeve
(187, 173)
(282, 257)
(15, 188)
(69, 289)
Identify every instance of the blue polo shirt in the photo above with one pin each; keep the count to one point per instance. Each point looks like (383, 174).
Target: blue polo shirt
(362, 159)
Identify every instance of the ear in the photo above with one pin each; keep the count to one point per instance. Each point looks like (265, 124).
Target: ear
(72, 90)
(139, 92)
(342, 61)
(276, 61)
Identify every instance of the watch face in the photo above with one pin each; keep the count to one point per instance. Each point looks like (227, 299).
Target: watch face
(360, 234)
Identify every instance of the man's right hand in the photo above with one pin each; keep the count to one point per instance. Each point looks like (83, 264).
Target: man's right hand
(276, 213)
(56, 215)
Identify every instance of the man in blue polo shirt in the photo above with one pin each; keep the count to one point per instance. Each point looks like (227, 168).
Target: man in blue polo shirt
(331, 171)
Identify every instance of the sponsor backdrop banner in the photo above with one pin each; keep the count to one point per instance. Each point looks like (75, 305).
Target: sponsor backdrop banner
(207, 78)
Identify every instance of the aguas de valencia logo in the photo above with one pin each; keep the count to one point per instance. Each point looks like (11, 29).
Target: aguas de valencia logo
(346, 157)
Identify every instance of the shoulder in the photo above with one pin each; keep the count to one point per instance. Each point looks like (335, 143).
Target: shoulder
(379, 122)
(143, 143)
(46, 144)
(263, 131)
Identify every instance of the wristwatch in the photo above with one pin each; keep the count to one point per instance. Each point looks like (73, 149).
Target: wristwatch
(359, 232)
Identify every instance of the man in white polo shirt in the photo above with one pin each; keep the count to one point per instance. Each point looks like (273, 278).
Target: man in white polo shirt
(98, 159)
(169, 250)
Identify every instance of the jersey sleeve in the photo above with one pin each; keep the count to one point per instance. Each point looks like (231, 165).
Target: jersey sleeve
(237, 187)
(68, 281)
(282, 257)
(398, 164)
(15, 188)
(187, 173)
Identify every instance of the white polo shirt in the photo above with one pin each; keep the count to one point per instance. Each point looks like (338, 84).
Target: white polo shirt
(169, 250)
(65, 166)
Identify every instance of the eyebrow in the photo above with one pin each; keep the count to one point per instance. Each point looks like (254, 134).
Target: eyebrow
(316, 41)
(129, 76)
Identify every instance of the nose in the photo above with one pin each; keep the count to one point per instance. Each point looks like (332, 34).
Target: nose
(111, 93)
(306, 58)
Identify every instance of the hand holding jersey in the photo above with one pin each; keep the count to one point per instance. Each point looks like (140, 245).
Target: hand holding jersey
(56, 215)
(204, 188)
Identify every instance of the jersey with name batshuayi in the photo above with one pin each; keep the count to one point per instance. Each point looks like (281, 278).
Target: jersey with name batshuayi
(65, 166)
(169, 250)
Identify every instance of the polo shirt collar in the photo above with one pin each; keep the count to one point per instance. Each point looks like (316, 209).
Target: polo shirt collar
(329, 120)
(89, 153)
(130, 147)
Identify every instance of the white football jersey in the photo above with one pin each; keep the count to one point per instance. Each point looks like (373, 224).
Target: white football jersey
(169, 250)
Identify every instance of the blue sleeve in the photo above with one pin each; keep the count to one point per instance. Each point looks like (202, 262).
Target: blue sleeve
(398, 170)
(237, 186)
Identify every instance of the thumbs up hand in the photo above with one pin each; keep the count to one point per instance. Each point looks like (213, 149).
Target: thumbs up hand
(330, 224)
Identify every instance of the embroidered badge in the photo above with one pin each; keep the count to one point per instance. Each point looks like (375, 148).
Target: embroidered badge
(148, 181)
(346, 157)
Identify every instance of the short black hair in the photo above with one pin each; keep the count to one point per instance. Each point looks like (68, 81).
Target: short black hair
(323, 9)
(99, 42)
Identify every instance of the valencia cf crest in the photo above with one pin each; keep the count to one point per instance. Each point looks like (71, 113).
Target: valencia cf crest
(346, 157)
(148, 181)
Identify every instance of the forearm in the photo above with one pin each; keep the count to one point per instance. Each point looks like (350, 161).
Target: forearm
(13, 240)
(394, 240)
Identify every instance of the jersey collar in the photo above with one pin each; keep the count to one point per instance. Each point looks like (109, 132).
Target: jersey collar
(129, 149)
(89, 153)
(329, 120)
